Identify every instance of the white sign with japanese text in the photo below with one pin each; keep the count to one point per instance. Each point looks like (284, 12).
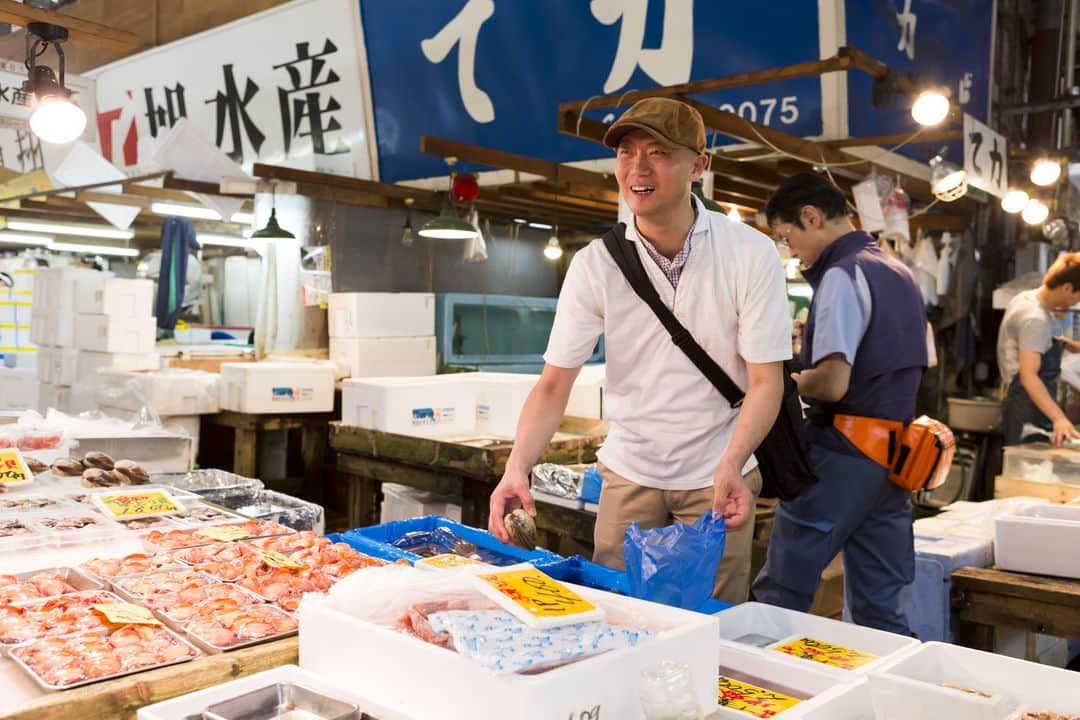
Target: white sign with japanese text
(986, 156)
(20, 150)
(286, 86)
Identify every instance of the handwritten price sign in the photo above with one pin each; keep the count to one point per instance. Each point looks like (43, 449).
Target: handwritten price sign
(126, 613)
(13, 470)
(277, 560)
(224, 533)
(131, 505)
(537, 599)
(447, 560)
(826, 653)
(757, 701)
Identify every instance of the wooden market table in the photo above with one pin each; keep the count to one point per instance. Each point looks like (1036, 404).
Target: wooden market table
(469, 467)
(983, 598)
(119, 699)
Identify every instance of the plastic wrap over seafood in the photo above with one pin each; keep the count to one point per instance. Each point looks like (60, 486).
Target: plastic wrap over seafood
(36, 587)
(62, 615)
(185, 604)
(133, 564)
(162, 582)
(286, 544)
(222, 624)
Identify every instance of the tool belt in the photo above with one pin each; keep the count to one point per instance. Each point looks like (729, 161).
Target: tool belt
(917, 456)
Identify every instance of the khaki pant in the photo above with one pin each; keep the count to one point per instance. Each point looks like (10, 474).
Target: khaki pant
(623, 501)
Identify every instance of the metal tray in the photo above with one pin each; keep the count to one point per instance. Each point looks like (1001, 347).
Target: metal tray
(52, 688)
(276, 701)
(108, 582)
(138, 599)
(178, 625)
(202, 481)
(7, 645)
(212, 649)
(72, 576)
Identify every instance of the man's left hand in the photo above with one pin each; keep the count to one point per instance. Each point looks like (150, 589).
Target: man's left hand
(732, 497)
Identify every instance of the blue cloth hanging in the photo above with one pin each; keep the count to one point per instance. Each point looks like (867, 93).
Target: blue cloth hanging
(177, 243)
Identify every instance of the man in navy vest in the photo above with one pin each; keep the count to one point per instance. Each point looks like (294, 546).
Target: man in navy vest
(863, 354)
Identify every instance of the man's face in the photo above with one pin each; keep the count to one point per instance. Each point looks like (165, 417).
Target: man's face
(806, 242)
(654, 177)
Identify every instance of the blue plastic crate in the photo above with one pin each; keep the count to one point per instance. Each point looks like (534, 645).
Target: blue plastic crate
(580, 571)
(376, 540)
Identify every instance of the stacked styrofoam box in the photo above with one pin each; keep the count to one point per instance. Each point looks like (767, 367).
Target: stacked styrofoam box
(403, 503)
(438, 406)
(115, 315)
(16, 315)
(383, 334)
(277, 387)
(587, 396)
(18, 389)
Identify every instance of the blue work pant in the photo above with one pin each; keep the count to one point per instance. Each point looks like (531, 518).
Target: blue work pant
(853, 508)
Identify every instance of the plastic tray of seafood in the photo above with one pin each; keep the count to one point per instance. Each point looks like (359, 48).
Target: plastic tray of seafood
(31, 502)
(181, 607)
(18, 533)
(140, 589)
(63, 615)
(218, 629)
(146, 524)
(109, 569)
(35, 585)
(156, 541)
(219, 552)
(73, 527)
(198, 513)
(62, 663)
(206, 481)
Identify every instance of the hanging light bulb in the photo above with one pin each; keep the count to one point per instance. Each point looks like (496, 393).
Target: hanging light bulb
(1035, 212)
(948, 181)
(1014, 201)
(54, 117)
(930, 108)
(553, 251)
(733, 213)
(448, 225)
(1045, 172)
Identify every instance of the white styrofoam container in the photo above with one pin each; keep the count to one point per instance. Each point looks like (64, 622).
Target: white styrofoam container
(782, 624)
(54, 289)
(372, 660)
(910, 687)
(277, 387)
(381, 315)
(119, 297)
(162, 452)
(823, 688)
(586, 398)
(62, 366)
(1040, 539)
(104, 333)
(385, 357)
(403, 503)
(424, 407)
(926, 601)
(853, 702)
(18, 389)
(89, 362)
(499, 400)
(172, 391)
(52, 328)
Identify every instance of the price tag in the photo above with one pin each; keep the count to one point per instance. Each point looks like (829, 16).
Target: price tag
(224, 533)
(126, 614)
(277, 560)
(447, 560)
(756, 701)
(537, 599)
(129, 505)
(825, 653)
(13, 470)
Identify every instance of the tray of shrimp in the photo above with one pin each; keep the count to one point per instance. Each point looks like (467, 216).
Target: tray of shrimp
(278, 584)
(288, 544)
(139, 589)
(37, 585)
(221, 625)
(157, 540)
(335, 559)
(224, 552)
(108, 569)
(61, 663)
(180, 607)
(63, 615)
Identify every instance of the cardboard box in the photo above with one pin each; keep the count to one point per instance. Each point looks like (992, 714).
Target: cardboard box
(424, 407)
(277, 387)
(166, 392)
(103, 333)
(117, 297)
(381, 315)
(384, 357)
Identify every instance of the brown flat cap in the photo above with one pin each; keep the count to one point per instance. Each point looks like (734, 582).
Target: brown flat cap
(669, 121)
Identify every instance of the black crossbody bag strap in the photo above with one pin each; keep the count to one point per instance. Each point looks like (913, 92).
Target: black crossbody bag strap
(626, 257)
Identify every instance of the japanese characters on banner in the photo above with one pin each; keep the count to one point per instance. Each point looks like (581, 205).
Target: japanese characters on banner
(986, 157)
(283, 87)
(20, 150)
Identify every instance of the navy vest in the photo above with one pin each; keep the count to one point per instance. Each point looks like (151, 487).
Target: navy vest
(891, 358)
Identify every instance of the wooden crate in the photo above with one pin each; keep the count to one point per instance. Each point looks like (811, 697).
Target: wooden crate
(1005, 487)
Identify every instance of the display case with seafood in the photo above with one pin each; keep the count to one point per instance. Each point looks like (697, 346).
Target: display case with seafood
(227, 625)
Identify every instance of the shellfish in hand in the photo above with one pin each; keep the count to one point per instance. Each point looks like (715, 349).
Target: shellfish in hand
(521, 529)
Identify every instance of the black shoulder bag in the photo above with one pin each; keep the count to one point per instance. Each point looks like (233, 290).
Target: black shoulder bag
(782, 455)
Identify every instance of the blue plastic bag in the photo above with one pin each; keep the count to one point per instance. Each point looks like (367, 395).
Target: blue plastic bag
(675, 565)
(590, 485)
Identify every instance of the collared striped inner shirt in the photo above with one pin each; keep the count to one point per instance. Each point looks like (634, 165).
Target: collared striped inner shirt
(673, 268)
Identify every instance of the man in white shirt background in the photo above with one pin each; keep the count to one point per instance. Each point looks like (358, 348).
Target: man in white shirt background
(675, 448)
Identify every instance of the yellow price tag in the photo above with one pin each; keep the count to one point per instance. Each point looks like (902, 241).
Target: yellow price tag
(126, 614)
(757, 701)
(537, 599)
(224, 533)
(278, 560)
(825, 653)
(447, 560)
(13, 470)
(129, 505)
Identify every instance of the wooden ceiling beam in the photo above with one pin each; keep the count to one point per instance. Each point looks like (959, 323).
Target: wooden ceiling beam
(576, 190)
(89, 196)
(533, 209)
(197, 186)
(923, 136)
(311, 179)
(747, 172)
(80, 31)
(555, 199)
(157, 193)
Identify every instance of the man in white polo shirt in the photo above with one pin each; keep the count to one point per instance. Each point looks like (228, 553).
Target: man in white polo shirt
(676, 448)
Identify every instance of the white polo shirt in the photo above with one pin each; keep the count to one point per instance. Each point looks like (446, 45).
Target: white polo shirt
(669, 426)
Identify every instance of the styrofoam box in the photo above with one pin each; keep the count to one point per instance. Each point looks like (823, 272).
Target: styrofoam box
(424, 407)
(59, 365)
(277, 387)
(52, 328)
(385, 357)
(404, 503)
(782, 624)
(926, 602)
(372, 660)
(162, 452)
(853, 703)
(910, 687)
(586, 399)
(381, 315)
(499, 400)
(104, 333)
(823, 688)
(54, 289)
(89, 362)
(18, 389)
(174, 391)
(1040, 539)
(119, 297)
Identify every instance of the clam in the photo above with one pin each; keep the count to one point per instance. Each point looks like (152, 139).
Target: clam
(36, 466)
(130, 473)
(68, 467)
(521, 528)
(97, 459)
(96, 477)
